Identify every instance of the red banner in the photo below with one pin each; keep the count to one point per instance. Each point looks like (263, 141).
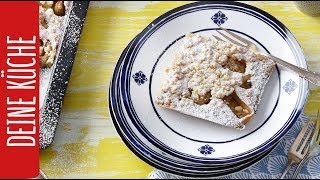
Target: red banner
(19, 89)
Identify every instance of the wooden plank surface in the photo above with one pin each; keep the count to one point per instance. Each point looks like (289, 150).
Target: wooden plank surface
(86, 143)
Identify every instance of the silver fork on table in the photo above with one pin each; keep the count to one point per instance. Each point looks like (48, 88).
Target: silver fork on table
(314, 149)
(313, 77)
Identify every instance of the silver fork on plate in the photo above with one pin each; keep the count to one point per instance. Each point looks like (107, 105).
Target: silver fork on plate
(314, 149)
(313, 77)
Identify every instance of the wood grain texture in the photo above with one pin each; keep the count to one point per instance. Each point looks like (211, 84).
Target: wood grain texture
(86, 143)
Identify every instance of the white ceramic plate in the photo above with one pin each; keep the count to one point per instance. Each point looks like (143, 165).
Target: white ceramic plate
(197, 140)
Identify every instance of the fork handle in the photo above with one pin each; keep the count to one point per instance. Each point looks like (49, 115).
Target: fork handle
(313, 77)
(287, 169)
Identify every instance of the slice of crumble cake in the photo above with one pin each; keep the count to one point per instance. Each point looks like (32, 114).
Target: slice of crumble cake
(216, 81)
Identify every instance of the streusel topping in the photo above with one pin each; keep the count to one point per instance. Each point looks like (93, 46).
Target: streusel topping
(51, 26)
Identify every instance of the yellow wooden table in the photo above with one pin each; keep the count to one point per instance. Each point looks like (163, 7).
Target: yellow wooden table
(86, 143)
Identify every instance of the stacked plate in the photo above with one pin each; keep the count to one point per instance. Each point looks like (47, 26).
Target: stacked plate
(184, 145)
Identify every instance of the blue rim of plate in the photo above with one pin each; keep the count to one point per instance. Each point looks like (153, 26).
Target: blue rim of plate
(149, 156)
(278, 26)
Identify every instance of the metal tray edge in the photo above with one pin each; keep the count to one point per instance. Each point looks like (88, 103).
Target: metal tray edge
(50, 111)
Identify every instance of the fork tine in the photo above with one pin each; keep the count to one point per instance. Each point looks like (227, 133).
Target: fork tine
(317, 139)
(300, 136)
(230, 39)
(218, 38)
(305, 145)
(317, 130)
(244, 41)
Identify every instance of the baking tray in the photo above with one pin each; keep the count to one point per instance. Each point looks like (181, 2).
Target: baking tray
(54, 80)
